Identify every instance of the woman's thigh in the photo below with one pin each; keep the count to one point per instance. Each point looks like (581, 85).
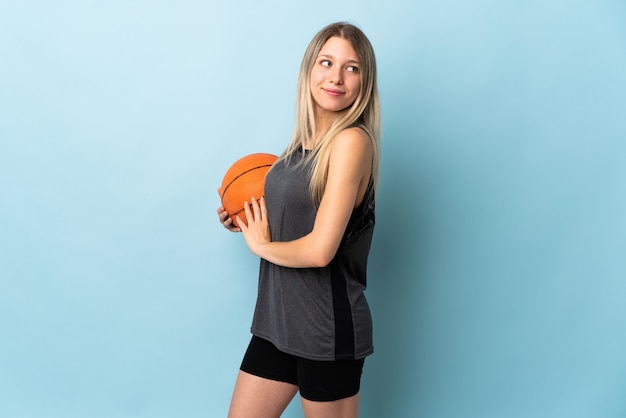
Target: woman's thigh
(269, 379)
(330, 389)
(329, 381)
(342, 408)
(258, 397)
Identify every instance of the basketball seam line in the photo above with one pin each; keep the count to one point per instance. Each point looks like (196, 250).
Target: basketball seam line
(238, 212)
(241, 174)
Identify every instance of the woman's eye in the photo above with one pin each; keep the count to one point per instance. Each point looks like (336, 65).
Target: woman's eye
(353, 69)
(325, 63)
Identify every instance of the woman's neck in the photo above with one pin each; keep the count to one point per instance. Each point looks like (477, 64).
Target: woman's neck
(322, 126)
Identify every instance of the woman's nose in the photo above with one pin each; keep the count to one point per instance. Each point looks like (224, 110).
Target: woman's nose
(336, 76)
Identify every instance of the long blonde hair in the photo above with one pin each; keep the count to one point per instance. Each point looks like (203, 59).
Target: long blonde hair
(363, 113)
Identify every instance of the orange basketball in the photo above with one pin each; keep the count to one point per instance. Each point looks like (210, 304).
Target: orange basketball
(243, 180)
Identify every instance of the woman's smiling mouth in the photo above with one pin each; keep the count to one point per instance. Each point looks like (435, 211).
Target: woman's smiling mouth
(333, 92)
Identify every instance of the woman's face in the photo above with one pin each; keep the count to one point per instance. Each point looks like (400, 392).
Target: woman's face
(335, 77)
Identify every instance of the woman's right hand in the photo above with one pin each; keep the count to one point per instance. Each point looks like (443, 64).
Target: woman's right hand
(226, 220)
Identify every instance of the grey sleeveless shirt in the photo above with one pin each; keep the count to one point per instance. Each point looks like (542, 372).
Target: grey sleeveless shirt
(314, 313)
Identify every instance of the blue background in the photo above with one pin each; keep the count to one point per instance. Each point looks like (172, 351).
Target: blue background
(497, 273)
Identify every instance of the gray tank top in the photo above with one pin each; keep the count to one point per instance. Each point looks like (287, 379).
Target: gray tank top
(315, 313)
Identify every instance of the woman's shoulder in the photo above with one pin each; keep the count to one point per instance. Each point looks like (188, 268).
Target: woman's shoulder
(351, 147)
(354, 136)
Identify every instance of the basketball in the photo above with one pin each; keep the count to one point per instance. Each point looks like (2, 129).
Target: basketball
(243, 180)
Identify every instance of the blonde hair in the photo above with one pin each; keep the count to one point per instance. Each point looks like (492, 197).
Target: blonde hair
(363, 113)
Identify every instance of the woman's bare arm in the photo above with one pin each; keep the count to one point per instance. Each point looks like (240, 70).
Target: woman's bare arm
(350, 166)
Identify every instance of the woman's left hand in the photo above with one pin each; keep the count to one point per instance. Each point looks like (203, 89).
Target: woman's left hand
(257, 232)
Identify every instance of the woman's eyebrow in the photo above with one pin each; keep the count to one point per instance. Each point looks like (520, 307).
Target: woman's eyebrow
(351, 61)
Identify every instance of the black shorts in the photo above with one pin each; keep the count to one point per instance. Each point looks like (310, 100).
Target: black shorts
(320, 381)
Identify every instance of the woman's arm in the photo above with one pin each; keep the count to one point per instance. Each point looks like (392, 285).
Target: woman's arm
(348, 174)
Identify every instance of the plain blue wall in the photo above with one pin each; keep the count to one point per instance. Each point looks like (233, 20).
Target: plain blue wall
(497, 274)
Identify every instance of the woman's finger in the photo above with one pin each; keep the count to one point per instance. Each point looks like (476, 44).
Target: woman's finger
(241, 223)
(256, 209)
(263, 209)
(248, 211)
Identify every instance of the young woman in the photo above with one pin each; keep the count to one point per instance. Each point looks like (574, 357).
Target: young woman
(312, 327)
